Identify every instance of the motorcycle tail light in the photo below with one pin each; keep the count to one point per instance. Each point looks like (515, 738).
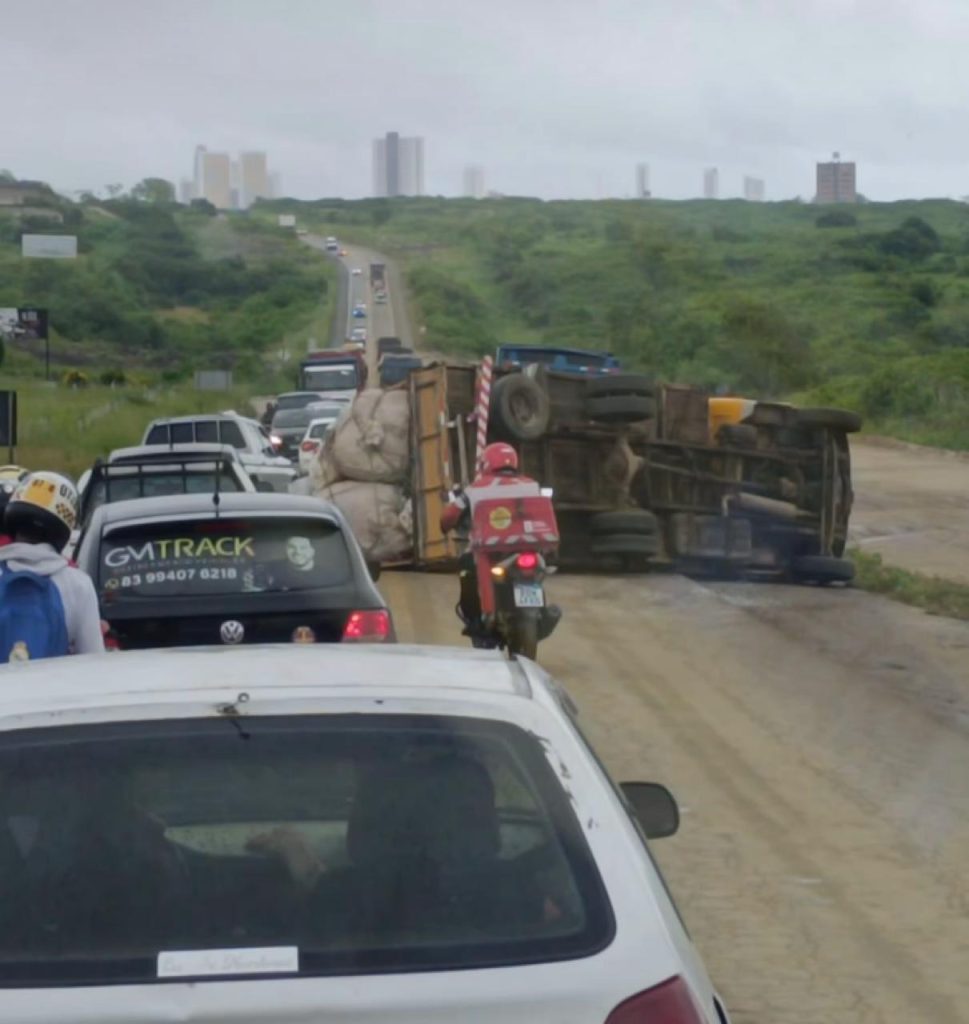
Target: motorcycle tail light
(528, 561)
(367, 627)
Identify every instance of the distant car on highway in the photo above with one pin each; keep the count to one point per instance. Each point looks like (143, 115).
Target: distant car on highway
(294, 414)
(401, 834)
(319, 427)
(249, 437)
(246, 568)
(331, 244)
(359, 312)
(356, 271)
(358, 334)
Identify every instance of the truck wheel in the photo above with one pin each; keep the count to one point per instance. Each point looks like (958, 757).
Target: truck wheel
(637, 521)
(625, 544)
(737, 435)
(822, 569)
(519, 408)
(620, 408)
(620, 384)
(834, 419)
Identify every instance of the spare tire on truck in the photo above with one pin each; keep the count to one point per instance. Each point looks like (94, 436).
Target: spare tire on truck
(620, 398)
(833, 419)
(822, 569)
(520, 408)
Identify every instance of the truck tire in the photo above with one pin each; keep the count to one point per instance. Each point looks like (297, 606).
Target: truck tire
(519, 408)
(637, 521)
(620, 384)
(620, 545)
(834, 419)
(620, 408)
(822, 569)
(737, 435)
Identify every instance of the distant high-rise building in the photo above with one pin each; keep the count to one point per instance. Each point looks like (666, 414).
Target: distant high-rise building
(186, 191)
(253, 178)
(474, 186)
(198, 173)
(275, 185)
(217, 180)
(642, 181)
(836, 182)
(754, 189)
(398, 166)
(711, 183)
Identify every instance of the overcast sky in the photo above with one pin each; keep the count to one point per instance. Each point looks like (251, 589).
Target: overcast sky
(555, 98)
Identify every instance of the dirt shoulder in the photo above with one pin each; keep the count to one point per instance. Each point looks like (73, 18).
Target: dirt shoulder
(911, 506)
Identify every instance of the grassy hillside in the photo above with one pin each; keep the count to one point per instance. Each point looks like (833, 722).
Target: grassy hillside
(159, 290)
(866, 307)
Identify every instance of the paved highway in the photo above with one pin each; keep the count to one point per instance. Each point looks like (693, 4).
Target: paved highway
(817, 741)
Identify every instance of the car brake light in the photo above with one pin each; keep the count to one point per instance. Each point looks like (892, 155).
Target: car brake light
(309, 446)
(367, 627)
(527, 561)
(668, 1003)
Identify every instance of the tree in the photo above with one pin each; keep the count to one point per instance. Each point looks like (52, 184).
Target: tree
(203, 206)
(763, 348)
(6, 175)
(154, 190)
(114, 190)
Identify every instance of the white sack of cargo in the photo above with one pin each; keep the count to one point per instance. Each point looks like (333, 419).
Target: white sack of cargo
(379, 515)
(370, 441)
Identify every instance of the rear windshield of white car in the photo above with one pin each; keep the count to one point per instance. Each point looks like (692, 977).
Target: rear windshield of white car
(331, 378)
(153, 482)
(222, 556)
(339, 844)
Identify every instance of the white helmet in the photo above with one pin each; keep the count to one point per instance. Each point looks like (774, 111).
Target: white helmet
(44, 507)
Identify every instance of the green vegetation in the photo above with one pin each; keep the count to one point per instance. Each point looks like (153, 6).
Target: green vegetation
(66, 429)
(933, 594)
(162, 289)
(865, 307)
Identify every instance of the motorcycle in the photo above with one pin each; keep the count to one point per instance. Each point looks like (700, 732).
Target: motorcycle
(511, 541)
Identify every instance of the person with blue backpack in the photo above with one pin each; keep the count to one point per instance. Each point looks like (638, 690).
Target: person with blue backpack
(48, 607)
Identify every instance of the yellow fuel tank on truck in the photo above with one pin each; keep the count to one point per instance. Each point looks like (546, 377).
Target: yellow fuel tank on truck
(728, 411)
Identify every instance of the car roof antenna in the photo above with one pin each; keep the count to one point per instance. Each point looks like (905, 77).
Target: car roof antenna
(216, 498)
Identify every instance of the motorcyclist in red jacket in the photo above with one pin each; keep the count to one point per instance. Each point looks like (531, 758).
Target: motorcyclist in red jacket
(496, 476)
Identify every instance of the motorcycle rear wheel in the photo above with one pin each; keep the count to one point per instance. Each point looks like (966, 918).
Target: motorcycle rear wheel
(523, 634)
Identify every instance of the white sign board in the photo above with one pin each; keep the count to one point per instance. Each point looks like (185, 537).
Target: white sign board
(49, 247)
(287, 220)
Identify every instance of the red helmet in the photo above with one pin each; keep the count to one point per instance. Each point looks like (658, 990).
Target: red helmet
(497, 457)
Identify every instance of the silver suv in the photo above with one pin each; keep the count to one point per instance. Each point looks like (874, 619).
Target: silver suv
(250, 439)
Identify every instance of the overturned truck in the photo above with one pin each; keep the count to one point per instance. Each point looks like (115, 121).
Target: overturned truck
(645, 474)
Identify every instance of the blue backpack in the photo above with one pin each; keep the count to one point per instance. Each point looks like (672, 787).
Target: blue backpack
(32, 620)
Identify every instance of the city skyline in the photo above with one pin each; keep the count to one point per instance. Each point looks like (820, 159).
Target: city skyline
(398, 165)
(559, 108)
(227, 183)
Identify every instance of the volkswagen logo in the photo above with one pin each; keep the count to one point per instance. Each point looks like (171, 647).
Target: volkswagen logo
(232, 632)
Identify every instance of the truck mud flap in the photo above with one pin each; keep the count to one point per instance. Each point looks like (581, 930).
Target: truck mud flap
(718, 538)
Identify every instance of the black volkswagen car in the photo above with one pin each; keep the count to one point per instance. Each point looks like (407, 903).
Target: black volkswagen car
(230, 568)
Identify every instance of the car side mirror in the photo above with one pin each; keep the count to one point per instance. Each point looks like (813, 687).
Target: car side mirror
(654, 806)
(374, 568)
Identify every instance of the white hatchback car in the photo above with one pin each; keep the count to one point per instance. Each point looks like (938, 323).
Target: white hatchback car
(293, 834)
(316, 431)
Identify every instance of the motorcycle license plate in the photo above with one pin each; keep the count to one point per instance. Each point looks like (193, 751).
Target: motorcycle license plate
(529, 595)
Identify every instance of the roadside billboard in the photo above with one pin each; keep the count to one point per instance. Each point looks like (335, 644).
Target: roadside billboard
(287, 220)
(213, 380)
(49, 247)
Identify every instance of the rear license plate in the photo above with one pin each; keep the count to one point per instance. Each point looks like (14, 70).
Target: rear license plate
(529, 595)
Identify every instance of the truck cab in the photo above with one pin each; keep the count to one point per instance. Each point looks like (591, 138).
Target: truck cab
(575, 361)
(334, 373)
